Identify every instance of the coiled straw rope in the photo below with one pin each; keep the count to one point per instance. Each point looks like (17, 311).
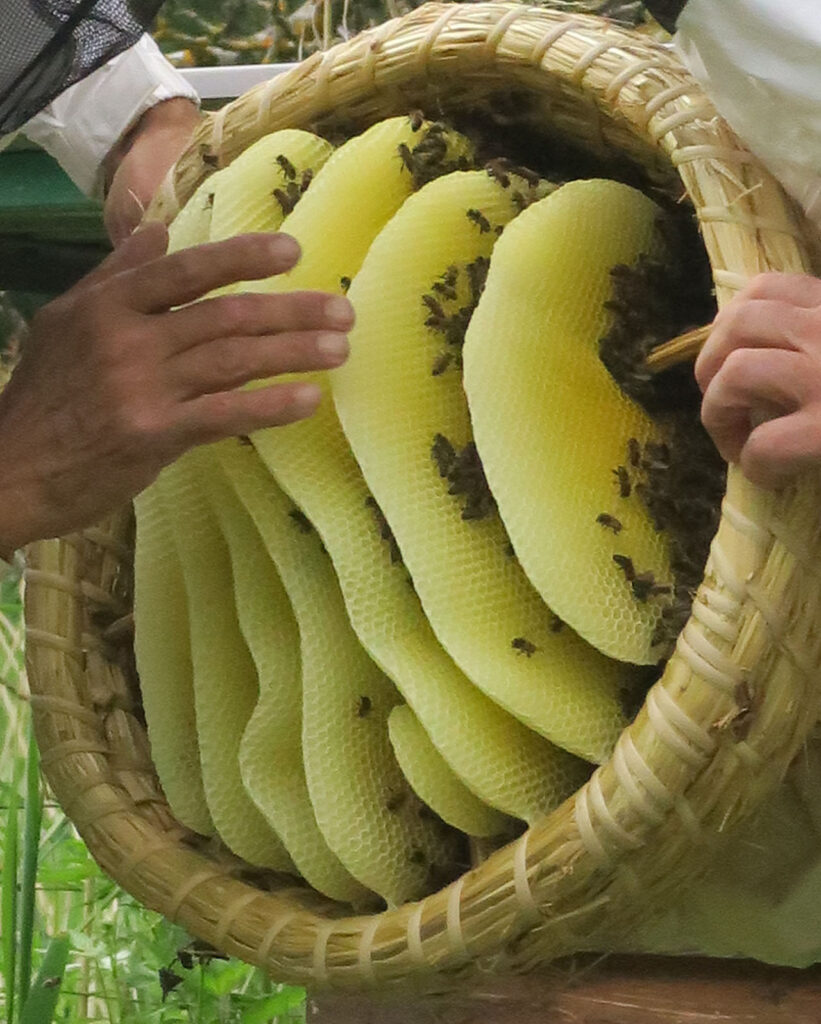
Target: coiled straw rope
(738, 696)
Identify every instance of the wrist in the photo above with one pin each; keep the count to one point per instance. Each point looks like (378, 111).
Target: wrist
(177, 116)
(177, 112)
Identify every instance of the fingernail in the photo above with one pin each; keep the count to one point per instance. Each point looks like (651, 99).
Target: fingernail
(305, 398)
(335, 346)
(285, 248)
(339, 311)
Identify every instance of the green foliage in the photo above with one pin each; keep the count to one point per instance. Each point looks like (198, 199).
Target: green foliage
(209, 32)
(41, 1001)
(8, 904)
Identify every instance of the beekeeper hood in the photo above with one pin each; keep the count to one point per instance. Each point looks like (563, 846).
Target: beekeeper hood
(48, 45)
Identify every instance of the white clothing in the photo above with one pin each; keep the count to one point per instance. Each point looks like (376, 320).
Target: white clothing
(760, 63)
(80, 126)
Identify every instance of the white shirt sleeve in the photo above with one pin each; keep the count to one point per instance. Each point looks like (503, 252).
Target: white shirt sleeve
(81, 126)
(760, 63)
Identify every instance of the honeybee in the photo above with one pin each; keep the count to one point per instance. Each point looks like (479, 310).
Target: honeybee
(288, 168)
(443, 454)
(477, 276)
(479, 219)
(406, 156)
(286, 201)
(445, 290)
(623, 480)
(441, 363)
(451, 275)
(609, 522)
(642, 585)
(524, 646)
(434, 307)
(626, 566)
(496, 169)
(531, 177)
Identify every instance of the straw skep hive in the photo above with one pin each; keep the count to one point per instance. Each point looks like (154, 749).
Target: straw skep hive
(681, 774)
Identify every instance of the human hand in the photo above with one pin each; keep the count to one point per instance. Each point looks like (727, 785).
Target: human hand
(115, 382)
(136, 166)
(760, 372)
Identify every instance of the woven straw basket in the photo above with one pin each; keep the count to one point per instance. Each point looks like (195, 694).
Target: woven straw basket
(681, 775)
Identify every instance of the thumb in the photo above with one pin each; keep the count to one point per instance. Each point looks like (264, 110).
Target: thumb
(145, 244)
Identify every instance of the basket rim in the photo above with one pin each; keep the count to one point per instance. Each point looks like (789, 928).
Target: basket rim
(673, 781)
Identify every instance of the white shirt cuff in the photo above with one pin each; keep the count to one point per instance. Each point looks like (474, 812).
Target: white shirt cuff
(82, 125)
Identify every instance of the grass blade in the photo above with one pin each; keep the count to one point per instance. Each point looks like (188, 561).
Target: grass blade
(8, 886)
(41, 1003)
(31, 849)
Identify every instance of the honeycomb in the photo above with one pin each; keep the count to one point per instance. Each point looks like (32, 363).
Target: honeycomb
(219, 653)
(352, 775)
(192, 225)
(244, 193)
(163, 650)
(477, 598)
(403, 608)
(502, 762)
(532, 346)
(432, 780)
(357, 190)
(270, 755)
(161, 630)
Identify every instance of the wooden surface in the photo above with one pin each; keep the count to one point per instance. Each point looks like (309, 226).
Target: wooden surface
(620, 990)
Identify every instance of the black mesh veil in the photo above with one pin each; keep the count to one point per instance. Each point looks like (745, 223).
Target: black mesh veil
(47, 45)
(666, 12)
